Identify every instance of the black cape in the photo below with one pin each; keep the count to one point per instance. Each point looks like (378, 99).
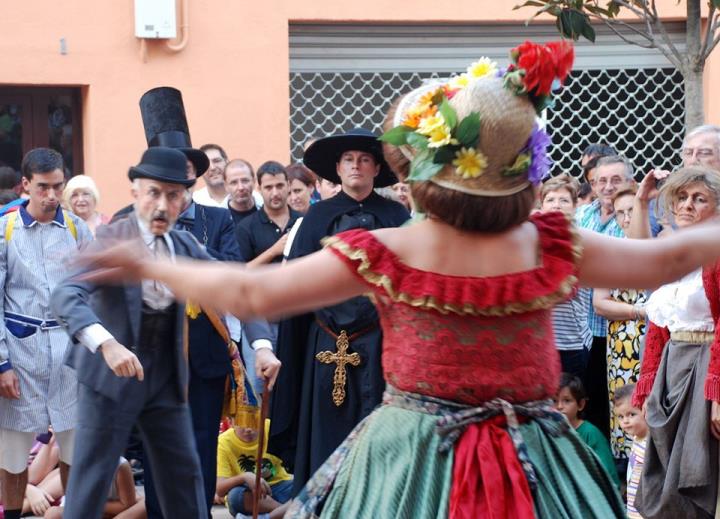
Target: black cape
(306, 425)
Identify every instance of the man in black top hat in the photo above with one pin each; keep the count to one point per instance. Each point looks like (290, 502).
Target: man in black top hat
(129, 355)
(308, 423)
(165, 124)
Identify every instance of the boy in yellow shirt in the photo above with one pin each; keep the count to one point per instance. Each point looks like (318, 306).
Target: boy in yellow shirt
(237, 448)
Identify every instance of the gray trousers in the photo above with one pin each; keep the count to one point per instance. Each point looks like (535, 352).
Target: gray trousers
(102, 434)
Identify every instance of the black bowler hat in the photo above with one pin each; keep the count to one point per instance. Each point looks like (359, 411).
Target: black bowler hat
(164, 165)
(163, 116)
(324, 154)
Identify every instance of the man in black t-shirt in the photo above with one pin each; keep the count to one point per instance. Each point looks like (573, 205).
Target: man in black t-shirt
(239, 183)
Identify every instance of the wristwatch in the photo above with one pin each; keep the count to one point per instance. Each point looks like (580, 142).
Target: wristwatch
(5, 365)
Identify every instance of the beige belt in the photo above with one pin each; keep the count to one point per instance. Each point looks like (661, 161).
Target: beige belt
(692, 337)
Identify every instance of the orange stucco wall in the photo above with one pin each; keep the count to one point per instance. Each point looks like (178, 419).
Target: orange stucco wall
(233, 72)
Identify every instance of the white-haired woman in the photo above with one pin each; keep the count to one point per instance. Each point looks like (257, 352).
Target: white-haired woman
(679, 385)
(81, 196)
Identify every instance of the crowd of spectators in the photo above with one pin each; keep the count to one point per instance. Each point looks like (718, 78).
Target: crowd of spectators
(600, 335)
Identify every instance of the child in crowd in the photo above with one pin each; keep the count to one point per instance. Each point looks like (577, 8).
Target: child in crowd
(573, 337)
(633, 423)
(122, 501)
(571, 400)
(237, 449)
(44, 487)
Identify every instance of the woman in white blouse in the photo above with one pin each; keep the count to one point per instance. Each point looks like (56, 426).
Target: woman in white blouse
(679, 386)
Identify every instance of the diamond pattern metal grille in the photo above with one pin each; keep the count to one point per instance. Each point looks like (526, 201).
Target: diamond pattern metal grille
(639, 111)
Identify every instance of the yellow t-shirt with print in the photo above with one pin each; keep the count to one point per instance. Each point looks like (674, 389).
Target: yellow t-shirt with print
(235, 456)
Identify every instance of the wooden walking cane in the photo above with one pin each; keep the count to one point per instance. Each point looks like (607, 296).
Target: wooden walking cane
(260, 449)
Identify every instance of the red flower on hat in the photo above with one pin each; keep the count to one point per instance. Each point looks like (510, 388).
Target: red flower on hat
(542, 64)
(563, 55)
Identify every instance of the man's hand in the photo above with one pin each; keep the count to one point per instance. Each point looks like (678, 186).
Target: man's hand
(121, 361)
(267, 365)
(9, 385)
(648, 188)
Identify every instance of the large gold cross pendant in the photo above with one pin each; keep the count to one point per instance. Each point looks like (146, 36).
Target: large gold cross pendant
(341, 358)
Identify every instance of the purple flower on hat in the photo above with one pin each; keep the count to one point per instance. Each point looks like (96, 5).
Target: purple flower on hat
(540, 161)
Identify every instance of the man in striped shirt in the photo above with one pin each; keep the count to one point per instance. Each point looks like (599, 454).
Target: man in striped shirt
(612, 174)
(36, 389)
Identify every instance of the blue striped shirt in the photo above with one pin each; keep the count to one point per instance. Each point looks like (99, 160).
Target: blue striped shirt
(570, 322)
(32, 263)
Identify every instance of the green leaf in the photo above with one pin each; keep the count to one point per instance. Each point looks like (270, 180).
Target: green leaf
(613, 8)
(397, 136)
(422, 167)
(448, 113)
(468, 131)
(573, 24)
(446, 154)
(417, 141)
(588, 32)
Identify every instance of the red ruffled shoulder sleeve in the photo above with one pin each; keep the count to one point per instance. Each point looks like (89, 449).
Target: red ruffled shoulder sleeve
(540, 288)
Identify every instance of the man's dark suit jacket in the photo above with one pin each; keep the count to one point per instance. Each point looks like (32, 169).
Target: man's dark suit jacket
(214, 229)
(78, 304)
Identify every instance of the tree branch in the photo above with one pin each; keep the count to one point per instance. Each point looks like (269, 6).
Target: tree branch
(713, 45)
(678, 61)
(626, 39)
(707, 40)
(640, 14)
(711, 39)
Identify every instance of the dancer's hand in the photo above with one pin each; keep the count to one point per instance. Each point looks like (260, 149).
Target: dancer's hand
(715, 419)
(121, 361)
(267, 365)
(38, 499)
(9, 385)
(116, 262)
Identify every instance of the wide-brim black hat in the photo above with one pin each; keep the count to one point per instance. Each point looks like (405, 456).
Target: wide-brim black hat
(164, 165)
(165, 123)
(324, 154)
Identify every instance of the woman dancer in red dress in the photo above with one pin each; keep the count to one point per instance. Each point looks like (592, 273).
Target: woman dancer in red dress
(466, 429)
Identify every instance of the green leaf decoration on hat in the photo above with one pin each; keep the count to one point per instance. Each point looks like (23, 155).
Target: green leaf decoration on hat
(422, 167)
(519, 167)
(397, 136)
(448, 113)
(446, 154)
(417, 141)
(468, 131)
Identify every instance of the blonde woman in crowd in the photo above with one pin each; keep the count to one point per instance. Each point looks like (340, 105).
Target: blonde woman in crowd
(81, 196)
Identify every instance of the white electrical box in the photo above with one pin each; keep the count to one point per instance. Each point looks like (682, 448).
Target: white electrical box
(155, 19)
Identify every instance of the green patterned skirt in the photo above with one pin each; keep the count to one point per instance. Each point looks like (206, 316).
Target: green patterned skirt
(394, 464)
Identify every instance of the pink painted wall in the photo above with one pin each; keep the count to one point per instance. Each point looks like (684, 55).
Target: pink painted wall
(233, 72)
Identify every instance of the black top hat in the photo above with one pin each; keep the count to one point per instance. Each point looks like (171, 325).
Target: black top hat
(323, 155)
(164, 165)
(163, 116)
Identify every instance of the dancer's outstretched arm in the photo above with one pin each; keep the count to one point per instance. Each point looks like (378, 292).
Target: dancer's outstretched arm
(272, 291)
(616, 262)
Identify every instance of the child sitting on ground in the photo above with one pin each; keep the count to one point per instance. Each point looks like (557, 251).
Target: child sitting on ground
(122, 496)
(633, 423)
(571, 400)
(237, 449)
